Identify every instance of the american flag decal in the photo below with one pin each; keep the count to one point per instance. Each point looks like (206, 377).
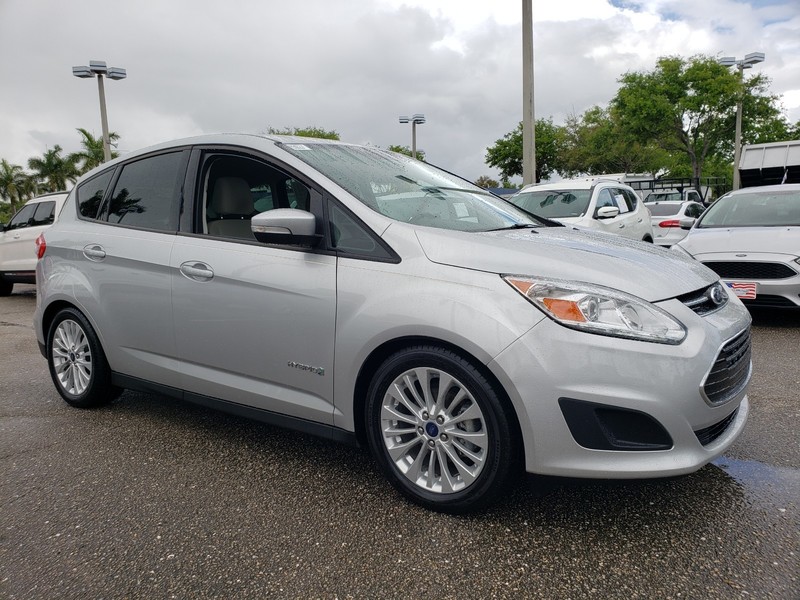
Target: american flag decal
(743, 291)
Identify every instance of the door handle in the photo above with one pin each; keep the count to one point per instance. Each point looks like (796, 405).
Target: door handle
(196, 271)
(94, 252)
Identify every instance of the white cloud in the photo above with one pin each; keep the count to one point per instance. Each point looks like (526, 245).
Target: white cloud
(198, 66)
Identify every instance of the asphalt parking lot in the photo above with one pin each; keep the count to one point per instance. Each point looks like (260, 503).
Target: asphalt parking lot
(152, 498)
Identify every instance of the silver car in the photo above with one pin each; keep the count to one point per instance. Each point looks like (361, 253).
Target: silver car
(751, 238)
(371, 298)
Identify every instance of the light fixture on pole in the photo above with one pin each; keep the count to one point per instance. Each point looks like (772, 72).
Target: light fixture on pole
(98, 68)
(745, 63)
(415, 120)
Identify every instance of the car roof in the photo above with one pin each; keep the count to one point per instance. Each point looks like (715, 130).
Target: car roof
(786, 187)
(572, 184)
(48, 196)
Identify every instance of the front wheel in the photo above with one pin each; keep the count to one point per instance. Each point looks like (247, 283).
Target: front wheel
(77, 363)
(439, 430)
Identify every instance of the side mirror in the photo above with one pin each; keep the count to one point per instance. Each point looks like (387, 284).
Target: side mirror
(607, 212)
(687, 222)
(286, 226)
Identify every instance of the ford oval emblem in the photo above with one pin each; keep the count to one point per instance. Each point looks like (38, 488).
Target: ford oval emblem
(716, 294)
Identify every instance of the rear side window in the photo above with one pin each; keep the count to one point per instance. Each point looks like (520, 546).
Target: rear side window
(44, 213)
(145, 194)
(90, 194)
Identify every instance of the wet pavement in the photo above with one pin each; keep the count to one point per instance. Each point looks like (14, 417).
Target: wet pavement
(151, 498)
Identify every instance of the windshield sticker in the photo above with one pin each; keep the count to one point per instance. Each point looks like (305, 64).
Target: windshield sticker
(298, 146)
(461, 210)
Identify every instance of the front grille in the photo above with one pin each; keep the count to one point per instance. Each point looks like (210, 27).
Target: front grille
(709, 434)
(750, 270)
(731, 371)
(700, 301)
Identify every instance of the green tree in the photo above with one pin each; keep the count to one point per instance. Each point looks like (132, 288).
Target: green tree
(595, 144)
(53, 171)
(91, 154)
(407, 151)
(12, 180)
(311, 131)
(486, 182)
(688, 106)
(506, 153)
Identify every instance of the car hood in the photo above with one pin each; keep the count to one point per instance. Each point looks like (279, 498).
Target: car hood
(773, 240)
(641, 269)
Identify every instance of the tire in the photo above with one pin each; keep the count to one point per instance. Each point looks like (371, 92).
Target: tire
(453, 452)
(77, 362)
(6, 287)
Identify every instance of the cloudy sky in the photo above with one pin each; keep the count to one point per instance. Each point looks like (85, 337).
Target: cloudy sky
(202, 66)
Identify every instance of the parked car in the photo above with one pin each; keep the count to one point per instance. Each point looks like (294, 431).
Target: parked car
(666, 217)
(751, 238)
(361, 295)
(18, 236)
(598, 204)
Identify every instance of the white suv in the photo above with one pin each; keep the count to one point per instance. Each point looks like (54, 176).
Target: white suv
(17, 239)
(597, 204)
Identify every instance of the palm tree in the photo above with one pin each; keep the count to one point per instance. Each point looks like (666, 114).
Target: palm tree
(53, 171)
(11, 182)
(92, 154)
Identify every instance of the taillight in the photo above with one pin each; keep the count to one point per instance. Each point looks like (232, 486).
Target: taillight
(41, 246)
(670, 223)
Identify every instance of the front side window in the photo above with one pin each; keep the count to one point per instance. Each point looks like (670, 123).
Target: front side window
(21, 219)
(409, 190)
(235, 188)
(145, 194)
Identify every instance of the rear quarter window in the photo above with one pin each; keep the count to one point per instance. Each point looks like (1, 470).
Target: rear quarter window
(91, 193)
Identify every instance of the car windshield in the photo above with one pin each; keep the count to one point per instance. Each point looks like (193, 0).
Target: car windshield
(664, 210)
(772, 208)
(409, 190)
(554, 204)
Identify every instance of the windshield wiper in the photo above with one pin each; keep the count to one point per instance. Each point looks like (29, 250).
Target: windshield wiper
(518, 226)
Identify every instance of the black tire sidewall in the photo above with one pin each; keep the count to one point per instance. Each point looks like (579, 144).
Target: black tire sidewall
(499, 462)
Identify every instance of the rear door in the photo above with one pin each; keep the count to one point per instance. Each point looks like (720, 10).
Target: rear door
(254, 324)
(130, 221)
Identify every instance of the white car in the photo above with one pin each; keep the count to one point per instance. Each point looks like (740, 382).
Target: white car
(666, 219)
(751, 239)
(597, 204)
(18, 236)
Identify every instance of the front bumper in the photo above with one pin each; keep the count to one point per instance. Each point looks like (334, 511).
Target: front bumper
(621, 379)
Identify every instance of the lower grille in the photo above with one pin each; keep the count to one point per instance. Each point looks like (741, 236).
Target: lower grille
(709, 434)
(750, 270)
(731, 371)
(769, 301)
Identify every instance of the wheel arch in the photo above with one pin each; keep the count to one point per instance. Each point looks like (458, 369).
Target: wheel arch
(390, 347)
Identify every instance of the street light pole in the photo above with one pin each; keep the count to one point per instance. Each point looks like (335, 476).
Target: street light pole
(528, 122)
(417, 119)
(98, 68)
(741, 64)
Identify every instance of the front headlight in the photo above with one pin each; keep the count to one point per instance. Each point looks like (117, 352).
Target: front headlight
(597, 309)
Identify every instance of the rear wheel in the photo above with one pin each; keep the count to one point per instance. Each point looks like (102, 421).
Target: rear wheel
(77, 363)
(5, 287)
(439, 431)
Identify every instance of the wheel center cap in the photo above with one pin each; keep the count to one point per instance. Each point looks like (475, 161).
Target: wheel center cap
(431, 429)
(71, 357)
